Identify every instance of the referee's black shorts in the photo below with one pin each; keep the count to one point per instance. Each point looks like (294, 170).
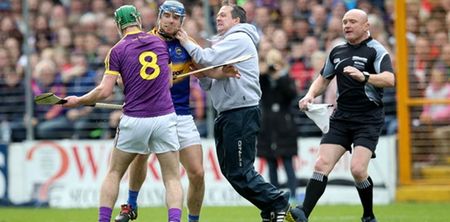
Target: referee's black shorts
(346, 133)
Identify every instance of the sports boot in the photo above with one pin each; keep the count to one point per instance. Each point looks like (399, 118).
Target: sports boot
(280, 215)
(368, 219)
(127, 213)
(296, 214)
(266, 217)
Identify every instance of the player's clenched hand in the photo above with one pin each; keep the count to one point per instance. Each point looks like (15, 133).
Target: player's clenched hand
(72, 101)
(231, 71)
(303, 103)
(354, 73)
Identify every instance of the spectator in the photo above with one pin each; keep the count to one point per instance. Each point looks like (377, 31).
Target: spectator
(12, 92)
(303, 9)
(338, 10)
(302, 29)
(12, 45)
(318, 21)
(437, 117)
(262, 18)
(50, 121)
(445, 58)
(438, 40)
(192, 27)
(108, 33)
(334, 31)
(419, 67)
(149, 17)
(91, 45)
(250, 7)
(301, 68)
(58, 18)
(64, 39)
(278, 137)
(412, 28)
(280, 40)
(42, 33)
(79, 79)
(9, 28)
(286, 8)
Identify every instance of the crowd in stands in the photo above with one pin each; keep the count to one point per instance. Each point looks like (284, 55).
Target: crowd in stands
(69, 40)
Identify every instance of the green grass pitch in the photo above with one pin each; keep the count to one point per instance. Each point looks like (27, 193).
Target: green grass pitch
(399, 212)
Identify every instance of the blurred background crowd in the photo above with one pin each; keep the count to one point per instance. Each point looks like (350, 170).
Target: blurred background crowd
(69, 39)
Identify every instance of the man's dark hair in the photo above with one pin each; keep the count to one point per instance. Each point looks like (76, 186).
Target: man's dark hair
(237, 12)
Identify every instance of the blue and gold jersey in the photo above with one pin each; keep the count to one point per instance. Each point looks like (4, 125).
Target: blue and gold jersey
(181, 63)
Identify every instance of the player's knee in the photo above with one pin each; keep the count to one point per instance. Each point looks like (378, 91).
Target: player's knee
(196, 174)
(359, 171)
(323, 165)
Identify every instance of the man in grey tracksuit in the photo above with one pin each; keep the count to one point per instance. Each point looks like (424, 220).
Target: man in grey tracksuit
(236, 100)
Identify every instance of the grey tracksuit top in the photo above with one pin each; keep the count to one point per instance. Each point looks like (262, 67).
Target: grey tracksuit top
(231, 93)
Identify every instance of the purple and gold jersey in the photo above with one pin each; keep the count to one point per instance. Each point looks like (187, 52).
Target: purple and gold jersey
(181, 62)
(142, 61)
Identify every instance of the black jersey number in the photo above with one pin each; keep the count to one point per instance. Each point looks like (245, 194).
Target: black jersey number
(149, 64)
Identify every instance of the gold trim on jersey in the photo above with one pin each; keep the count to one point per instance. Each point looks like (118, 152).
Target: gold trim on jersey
(110, 72)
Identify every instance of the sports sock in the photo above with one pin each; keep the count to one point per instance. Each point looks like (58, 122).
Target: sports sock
(104, 214)
(314, 190)
(132, 198)
(193, 218)
(365, 191)
(174, 215)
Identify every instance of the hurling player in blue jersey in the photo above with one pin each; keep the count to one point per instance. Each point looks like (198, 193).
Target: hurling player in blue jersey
(148, 123)
(170, 19)
(362, 68)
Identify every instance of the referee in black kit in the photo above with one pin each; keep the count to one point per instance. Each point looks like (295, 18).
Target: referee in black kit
(363, 68)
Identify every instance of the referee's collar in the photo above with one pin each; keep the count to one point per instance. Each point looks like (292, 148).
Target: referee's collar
(363, 42)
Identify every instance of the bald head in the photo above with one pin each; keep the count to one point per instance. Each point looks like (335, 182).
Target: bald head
(355, 25)
(357, 13)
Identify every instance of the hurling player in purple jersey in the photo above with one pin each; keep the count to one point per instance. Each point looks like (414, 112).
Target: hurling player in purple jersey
(170, 19)
(148, 123)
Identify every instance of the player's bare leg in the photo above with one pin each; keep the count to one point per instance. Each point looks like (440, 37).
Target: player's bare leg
(192, 159)
(137, 172)
(110, 187)
(170, 172)
(139, 169)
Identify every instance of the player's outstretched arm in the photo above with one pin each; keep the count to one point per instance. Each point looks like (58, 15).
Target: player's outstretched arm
(100, 92)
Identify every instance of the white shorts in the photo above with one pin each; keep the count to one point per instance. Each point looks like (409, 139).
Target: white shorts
(188, 134)
(147, 135)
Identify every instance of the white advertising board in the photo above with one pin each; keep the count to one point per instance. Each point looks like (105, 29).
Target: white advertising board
(69, 173)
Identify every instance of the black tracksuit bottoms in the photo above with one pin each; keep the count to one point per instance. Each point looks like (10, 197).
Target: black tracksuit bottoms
(235, 133)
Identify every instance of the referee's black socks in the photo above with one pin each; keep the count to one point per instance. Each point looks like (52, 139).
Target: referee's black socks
(365, 191)
(314, 190)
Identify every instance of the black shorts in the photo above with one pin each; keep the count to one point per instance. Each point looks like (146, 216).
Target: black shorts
(346, 133)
